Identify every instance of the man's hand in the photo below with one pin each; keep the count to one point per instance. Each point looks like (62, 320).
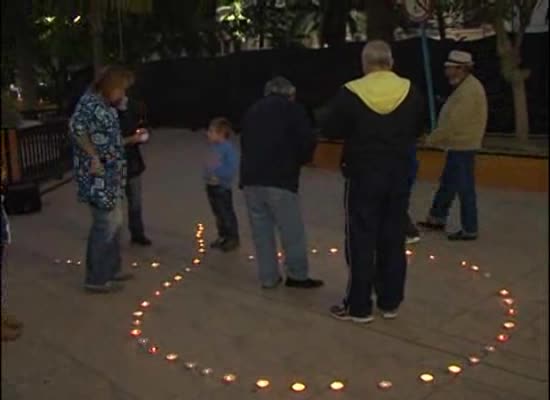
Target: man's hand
(96, 166)
(213, 180)
(134, 139)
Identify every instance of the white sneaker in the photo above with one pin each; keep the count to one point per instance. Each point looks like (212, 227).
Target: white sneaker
(412, 239)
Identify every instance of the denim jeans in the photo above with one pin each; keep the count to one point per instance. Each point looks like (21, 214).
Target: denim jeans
(103, 259)
(271, 208)
(458, 178)
(221, 203)
(135, 219)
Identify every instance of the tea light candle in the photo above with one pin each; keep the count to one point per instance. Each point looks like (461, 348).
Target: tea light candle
(145, 304)
(454, 369)
(202, 250)
(503, 338)
(474, 268)
(474, 360)
(178, 277)
(504, 293)
(155, 264)
(135, 332)
(78, 262)
(187, 269)
(337, 386)
(167, 284)
(464, 264)
(508, 301)
(432, 257)
(143, 341)
(509, 325)
(512, 312)
(280, 255)
(190, 365)
(262, 383)
(229, 378)
(298, 387)
(196, 261)
(157, 293)
(57, 261)
(138, 313)
(137, 322)
(490, 349)
(487, 275)
(334, 250)
(69, 261)
(207, 371)
(135, 265)
(250, 258)
(408, 253)
(385, 385)
(171, 357)
(427, 378)
(153, 350)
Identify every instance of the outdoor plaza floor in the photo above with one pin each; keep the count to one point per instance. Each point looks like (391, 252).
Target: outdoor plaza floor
(78, 346)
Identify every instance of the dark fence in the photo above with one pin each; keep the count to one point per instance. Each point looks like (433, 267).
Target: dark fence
(188, 92)
(37, 153)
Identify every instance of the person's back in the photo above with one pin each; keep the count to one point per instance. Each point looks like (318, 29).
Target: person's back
(276, 141)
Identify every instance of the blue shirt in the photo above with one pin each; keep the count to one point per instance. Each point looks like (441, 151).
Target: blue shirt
(98, 121)
(221, 164)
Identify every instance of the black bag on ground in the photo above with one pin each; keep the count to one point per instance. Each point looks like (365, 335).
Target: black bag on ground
(23, 199)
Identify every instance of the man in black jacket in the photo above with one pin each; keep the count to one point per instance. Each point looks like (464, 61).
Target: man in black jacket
(380, 117)
(131, 119)
(277, 140)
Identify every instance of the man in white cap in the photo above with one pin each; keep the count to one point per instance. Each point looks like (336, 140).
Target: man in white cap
(460, 130)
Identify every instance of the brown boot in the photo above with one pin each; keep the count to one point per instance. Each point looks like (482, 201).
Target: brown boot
(11, 321)
(9, 334)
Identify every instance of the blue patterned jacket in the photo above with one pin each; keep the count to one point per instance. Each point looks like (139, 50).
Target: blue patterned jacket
(94, 118)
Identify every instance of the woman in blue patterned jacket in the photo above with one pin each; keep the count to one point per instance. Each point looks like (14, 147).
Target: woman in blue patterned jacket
(100, 169)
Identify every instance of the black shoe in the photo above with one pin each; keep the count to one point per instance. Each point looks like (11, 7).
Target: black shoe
(142, 241)
(434, 226)
(307, 284)
(109, 287)
(462, 236)
(342, 313)
(230, 245)
(216, 244)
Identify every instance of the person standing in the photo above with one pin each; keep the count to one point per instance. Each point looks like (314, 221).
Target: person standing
(100, 172)
(460, 130)
(219, 173)
(380, 117)
(276, 141)
(131, 120)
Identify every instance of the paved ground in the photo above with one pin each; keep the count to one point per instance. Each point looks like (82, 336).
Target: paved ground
(77, 346)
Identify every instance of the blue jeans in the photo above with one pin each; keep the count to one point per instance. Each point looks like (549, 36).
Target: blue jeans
(103, 259)
(458, 178)
(135, 219)
(221, 203)
(270, 208)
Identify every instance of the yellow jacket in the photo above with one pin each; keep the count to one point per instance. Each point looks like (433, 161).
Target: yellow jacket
(463, 119)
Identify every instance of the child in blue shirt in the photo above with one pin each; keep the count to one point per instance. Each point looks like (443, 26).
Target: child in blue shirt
(219, 174)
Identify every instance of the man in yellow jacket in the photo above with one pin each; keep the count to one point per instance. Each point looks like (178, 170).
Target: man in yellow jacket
(460, 130)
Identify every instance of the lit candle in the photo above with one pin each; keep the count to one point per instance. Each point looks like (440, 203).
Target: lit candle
(490, 349)
(464, 264)
(138, 313)
(487, 274)
(178, 277)
(474, 268)
(171, 357)
(157, 293)
(153, 350)
(190, 365)
(229, 378)
(196, 261)
(145, 304)
(385, 385)
(409, 253)
(155, 264)
(454, 369)
(508, 301)
(137, 322)
(512, 312)
(427, 378)
(69, 261)
(503, 338)
(135, 264)
(207, 371)
(509, 325)
(504, 293)
(202, 250)
(280, 255)
(262, 383)
(314, 251)
(143, 341)
(337, 386)
(135, 332)
(334, 250)
(167, 284)
(250, 258)
(78, 262)
(57, 261)
(474, 360)
(187, 269)
(298, 387)
(432, 257)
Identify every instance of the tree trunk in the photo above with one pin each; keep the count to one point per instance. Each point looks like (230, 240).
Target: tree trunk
(96, 32)
(380, 20)
(521, 110)
(24, 57)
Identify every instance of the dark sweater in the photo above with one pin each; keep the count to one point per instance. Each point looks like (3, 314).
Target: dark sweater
(277, 140)
(376, 140)
(130, 121)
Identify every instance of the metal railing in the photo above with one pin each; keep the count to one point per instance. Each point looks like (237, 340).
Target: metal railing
(36, 154)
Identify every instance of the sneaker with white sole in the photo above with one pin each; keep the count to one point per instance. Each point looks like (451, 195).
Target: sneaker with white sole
(413, 239)
(342, 313)
(390, 314)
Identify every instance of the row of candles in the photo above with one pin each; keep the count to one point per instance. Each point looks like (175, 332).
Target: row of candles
(263, 383)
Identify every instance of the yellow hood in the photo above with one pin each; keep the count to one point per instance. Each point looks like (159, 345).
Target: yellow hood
(381, 91)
